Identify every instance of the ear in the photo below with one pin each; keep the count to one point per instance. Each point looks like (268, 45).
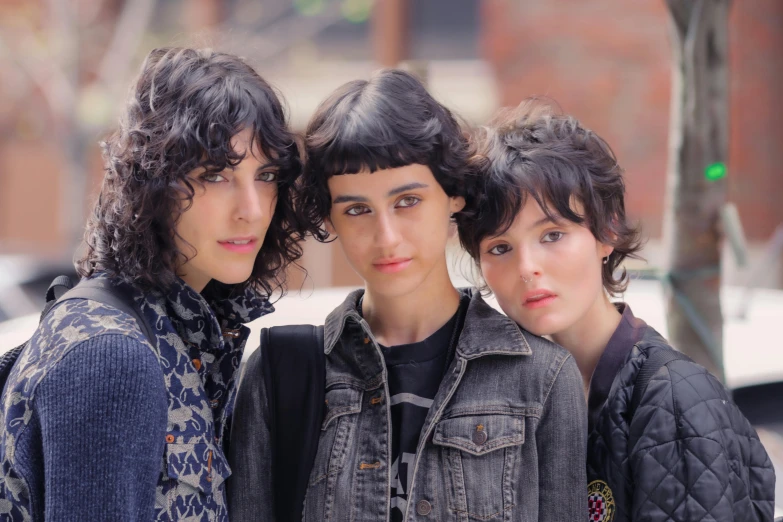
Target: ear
(329, 226)
(456, 204)
(605, 250)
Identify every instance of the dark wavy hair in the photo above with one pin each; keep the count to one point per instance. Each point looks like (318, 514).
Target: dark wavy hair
(386, 122)
(182, 112)
(534, 151)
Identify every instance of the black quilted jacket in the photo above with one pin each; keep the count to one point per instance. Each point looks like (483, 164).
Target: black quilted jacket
(688, 454)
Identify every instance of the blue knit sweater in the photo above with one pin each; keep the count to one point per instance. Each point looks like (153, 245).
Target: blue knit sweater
(98, 424)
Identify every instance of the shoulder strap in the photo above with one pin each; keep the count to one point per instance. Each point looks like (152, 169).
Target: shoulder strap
(650, 367)
(100, 289)
(295, 375)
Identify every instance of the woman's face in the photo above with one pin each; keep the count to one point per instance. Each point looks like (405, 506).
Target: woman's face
(393, 225)
(546, 274)
(222, 231)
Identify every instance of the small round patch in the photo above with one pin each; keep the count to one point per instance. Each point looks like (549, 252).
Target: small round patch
(600, 501)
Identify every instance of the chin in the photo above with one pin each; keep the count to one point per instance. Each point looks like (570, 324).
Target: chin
(396, 287)
(234, 277)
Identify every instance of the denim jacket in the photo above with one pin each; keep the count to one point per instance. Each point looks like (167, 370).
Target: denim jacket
(521, 392)
(198, 350)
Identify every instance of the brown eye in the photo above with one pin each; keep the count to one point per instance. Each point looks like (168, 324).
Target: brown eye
(408, 201)
(357, 210)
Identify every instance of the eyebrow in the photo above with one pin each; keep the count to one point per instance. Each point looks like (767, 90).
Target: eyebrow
(349, 198)
(405, 188)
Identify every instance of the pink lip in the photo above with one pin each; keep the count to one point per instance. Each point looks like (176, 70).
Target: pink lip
(246, 248)
(532, 299)
(392, 265)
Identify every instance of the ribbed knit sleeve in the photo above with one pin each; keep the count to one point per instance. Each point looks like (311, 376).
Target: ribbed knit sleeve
(102, 412)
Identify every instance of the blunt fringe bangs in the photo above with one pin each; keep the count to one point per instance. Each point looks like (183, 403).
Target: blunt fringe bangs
(181, 114)
(386, 122)
(533, 151)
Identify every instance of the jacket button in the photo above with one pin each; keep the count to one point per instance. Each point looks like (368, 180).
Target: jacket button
(197, 364)
(169, 438)
(479, 436)
(423, 508)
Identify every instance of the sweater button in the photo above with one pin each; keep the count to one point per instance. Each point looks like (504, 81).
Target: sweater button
(197, 364)
(169, 438)
(423, 508)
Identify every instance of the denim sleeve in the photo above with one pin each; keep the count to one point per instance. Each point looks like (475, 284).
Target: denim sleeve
(562, 447)
(102, 412)
(249, 487)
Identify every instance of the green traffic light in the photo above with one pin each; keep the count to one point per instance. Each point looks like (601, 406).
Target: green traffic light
(715, 171)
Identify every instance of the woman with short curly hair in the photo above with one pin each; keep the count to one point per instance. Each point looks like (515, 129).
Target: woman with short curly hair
(106, 418)
(549, 232)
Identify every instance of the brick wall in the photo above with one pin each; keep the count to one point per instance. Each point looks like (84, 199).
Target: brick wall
(608, 62)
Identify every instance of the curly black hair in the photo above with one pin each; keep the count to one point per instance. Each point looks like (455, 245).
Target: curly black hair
(386, 122)
(534, 151)
(182, 112)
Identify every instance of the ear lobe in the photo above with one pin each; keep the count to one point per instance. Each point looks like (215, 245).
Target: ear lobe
(456, 204)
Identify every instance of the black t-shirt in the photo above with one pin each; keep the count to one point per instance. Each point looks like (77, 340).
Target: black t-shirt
(415, 372)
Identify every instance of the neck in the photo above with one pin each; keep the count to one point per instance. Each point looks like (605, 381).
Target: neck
(412, 317)
(588, 337)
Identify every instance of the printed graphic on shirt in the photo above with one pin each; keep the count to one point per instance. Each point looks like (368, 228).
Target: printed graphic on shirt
(600, 502)
(415, 371)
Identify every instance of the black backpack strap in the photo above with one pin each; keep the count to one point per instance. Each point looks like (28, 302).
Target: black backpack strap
(101, 290)
(294, 367)
(656, 361)
(98, 289)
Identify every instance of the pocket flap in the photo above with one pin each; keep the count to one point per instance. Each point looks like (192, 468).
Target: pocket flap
(341, 401)
(480, 434)
(201, 466)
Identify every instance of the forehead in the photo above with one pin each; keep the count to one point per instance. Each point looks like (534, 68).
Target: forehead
(380, 182)
(241, 143)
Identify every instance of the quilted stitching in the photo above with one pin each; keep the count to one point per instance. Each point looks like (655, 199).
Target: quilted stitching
(688, 454)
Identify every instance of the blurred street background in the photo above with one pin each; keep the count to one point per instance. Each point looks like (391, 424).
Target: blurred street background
(65, 67)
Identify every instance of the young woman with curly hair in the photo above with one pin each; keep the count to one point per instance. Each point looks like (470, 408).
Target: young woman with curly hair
(549, 233)
(195, 225)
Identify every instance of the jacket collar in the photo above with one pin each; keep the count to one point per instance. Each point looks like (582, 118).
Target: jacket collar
(485, 332)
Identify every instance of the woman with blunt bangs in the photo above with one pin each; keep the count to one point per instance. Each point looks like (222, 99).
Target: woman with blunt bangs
(666, 442)
(193, 225)
(437, 407)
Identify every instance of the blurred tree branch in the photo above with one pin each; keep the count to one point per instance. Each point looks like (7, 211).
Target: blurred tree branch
(50, 52)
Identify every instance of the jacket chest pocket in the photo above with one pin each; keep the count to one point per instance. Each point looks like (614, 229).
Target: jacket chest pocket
(342, 407)
(196, 474)
(481, 453)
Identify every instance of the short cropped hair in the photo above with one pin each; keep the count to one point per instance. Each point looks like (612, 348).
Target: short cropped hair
(534, 151)
(386, 122)
(182, 112)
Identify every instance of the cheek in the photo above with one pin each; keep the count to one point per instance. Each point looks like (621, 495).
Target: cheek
(497, 277)
(269, 203)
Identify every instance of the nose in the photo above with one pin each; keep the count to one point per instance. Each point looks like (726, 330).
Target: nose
(528, 264)
(248, 202)
(387, 235)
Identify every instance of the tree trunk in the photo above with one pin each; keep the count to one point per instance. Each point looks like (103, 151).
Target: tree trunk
(695, 193)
